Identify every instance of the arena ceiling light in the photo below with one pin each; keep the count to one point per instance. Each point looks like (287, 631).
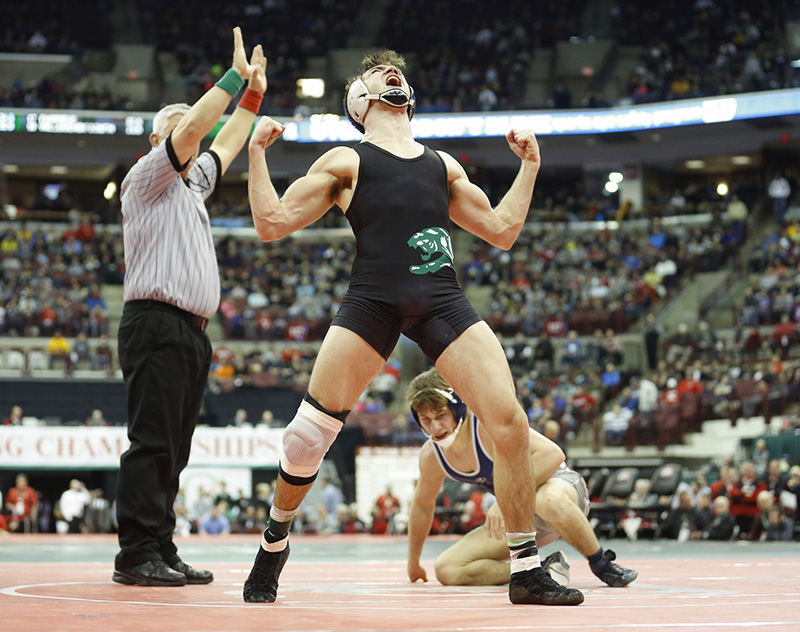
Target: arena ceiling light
(615, 177)
(741, 160)
(110, 190)
(695, 164)
(312, 88)
(722, 189)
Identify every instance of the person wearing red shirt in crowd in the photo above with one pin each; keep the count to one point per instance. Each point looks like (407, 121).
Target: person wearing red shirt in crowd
(521, 280)
(23, 505)
(556, 326)
(85, 232)
(667, 423)
(393, 368)
(644, 293)
(783, 335)
(383, 512)
(744, 495)
(473, 514)
(348, 520)
(48, 319)
(728, 477)
(689, 385)
(583, 400)
(223, 355)
(582, 404)
(263, 323)
(15, 418)
(752, 343)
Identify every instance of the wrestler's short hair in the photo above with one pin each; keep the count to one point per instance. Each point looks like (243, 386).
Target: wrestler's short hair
(385, 57)
(426, 391)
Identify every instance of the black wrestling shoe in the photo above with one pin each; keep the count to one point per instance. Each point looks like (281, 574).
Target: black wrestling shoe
(149, 573)
(193, 575)
(262, 584)
(557, 567)
(536, 586)
(612, 574)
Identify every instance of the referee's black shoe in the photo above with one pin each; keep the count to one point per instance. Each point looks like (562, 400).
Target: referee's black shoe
(193, 575)
(537, 587)
(149, 573)
(262, 584)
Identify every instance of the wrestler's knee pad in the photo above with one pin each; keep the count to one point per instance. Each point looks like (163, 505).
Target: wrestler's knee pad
(305, 442)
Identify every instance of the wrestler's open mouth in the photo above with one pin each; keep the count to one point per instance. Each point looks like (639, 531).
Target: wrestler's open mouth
(393, 80)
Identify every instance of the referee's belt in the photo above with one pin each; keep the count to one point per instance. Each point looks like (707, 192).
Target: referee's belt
(198, 321)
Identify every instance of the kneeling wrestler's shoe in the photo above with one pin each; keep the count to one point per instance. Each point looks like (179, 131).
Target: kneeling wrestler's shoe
(557, 567)
(611, 573)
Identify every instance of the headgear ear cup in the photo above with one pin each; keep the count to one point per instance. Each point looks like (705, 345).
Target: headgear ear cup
(457, 406)
(356, 102)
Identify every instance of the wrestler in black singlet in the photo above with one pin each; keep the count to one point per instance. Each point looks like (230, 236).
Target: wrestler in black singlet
(403, 278)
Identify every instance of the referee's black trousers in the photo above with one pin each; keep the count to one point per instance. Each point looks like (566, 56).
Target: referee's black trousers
(165, 361)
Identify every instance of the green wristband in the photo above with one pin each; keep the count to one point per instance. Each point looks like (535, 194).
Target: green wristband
(231, 82)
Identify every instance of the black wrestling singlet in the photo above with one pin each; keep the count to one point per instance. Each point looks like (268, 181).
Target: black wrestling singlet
(400, 217)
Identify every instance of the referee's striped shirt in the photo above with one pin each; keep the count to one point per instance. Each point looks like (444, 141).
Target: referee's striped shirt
(169, 249)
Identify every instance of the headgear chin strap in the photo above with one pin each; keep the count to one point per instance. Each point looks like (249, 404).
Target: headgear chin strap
(449, 439)
(459, 410)
(358, 98)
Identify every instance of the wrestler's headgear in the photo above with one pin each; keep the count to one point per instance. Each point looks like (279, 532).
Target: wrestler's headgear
(459, 410)
(356, 101)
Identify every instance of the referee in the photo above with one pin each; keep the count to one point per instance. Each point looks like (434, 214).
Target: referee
(171, 290)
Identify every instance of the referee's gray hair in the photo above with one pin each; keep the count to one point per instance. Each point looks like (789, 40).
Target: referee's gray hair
(162, 117)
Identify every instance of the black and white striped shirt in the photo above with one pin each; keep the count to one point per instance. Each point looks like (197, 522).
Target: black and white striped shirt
(169, 249)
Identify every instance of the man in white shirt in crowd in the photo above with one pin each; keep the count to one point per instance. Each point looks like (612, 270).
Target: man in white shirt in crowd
(70, 507)
(779, 190)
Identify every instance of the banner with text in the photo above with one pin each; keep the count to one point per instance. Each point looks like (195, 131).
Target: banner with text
(101, 447)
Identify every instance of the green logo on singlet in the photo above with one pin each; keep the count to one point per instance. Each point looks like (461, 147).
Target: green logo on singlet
(432, 241)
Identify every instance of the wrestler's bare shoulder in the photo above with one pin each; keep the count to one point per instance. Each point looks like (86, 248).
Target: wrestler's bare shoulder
(340, 161)
(426, 453)
(454, 168)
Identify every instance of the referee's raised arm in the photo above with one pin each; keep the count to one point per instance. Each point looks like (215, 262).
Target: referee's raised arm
(205, 113)
(234, 133)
